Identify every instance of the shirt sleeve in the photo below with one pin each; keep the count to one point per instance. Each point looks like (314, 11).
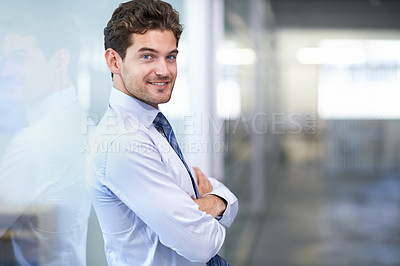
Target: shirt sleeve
(232, 205)
(136, 174)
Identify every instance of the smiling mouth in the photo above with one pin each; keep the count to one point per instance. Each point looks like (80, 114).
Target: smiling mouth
(158, 83)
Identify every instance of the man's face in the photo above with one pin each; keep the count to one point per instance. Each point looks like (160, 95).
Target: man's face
(25, 70)
(149, 69)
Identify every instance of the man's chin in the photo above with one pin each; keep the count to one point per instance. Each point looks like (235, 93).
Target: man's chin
(164, 100)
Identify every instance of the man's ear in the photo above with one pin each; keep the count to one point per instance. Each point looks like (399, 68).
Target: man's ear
(61, 60)
(113, 61)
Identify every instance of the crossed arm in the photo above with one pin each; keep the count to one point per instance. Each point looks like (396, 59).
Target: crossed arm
(208, 203)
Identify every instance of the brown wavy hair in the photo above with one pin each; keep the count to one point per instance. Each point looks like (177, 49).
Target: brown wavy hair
(139, 16)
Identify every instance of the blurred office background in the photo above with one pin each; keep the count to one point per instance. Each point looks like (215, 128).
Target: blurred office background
(294, 105)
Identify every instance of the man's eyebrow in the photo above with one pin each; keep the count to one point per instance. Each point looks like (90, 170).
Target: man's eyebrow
(147, 49)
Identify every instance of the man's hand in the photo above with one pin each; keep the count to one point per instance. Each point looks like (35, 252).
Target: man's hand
(203, 184)
(210, 204)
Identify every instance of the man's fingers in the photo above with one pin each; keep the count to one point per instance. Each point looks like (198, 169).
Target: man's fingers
(196, 172)
(200, 176)
(203, 184)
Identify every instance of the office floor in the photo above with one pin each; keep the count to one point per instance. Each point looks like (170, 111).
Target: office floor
(311, 218)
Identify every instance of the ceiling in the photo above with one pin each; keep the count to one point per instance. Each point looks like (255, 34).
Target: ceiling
(379, 14)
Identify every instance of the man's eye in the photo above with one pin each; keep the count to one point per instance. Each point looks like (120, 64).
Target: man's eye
(147, 56)
(171, 57)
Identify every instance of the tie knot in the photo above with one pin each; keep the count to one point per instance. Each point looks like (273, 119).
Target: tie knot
(161, 121)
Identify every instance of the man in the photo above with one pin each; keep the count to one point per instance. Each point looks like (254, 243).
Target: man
(44, 206)
(153, 208)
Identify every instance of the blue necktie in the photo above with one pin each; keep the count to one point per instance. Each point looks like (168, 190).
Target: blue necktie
(163, 126)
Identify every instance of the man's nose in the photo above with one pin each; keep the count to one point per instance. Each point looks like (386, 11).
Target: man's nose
(162, 68)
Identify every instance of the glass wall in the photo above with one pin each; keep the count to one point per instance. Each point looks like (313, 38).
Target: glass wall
(300, 123)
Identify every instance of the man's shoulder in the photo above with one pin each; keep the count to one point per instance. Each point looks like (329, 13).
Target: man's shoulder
(119, 125)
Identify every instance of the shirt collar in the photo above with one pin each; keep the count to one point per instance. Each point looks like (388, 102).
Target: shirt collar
(145, 112)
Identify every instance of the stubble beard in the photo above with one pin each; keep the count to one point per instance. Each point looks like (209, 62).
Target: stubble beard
(140, 92)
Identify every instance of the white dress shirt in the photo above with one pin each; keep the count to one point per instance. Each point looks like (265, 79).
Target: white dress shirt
(44, 203)
(143, 195)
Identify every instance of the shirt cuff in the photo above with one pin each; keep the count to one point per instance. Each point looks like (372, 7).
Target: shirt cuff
(232, 206)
